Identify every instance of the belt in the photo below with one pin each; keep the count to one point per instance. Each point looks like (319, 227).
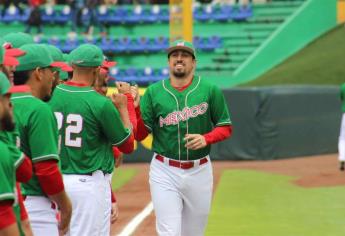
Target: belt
(181, 164)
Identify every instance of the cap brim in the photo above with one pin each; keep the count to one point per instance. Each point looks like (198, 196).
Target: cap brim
(14, 52)
(184, 48)
(109, 64)
(62, 65)
(10, 61)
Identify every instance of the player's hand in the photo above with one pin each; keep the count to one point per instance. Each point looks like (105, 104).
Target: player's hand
(135, 95)
(119, 160)
(195, 141)
(119, 100)
(114, 212)
(65, 216)
(123, 87)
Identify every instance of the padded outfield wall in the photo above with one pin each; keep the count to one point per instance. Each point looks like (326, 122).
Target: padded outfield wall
(274, 123)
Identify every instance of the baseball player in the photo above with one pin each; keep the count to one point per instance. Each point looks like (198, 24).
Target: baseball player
(38, 139)
(89, 124)
(9, 137)
(341, 141)
(185, 115)
(9, 217)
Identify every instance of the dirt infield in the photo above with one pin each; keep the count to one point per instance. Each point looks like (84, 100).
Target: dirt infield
(310, 172)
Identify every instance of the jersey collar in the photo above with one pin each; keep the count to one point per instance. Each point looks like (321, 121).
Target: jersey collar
(195, 82)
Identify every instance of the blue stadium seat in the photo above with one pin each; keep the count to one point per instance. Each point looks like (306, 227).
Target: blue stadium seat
(242, 13)
(122, 45)
(151, 15)
(158, 44)
(139, 45)
(134, 16)
(48, 15)
(11, 14)
(147, 75)
(116, 73)
(85, 16)
(164, 15)
(63, 16)
(69, 44)
(222, 13)
(203, 13)
(103, 14)
(106, 44)
(161, 74)
(130, 75)
(55, 41)
(25, 16)
(118, 15)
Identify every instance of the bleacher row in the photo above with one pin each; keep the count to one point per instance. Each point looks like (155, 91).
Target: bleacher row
(131, 15)
(140, 76)
(111, 45)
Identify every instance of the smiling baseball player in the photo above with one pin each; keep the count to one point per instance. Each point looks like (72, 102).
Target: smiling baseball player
(185, 115)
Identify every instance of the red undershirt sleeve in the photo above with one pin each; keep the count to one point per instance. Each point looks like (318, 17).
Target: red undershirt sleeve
(47, 173)
(218, 134)
(24, 171)
(141, 128)
(7, 216)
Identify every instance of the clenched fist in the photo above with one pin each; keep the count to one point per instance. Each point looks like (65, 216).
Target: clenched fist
(123, 87)
(119, 100)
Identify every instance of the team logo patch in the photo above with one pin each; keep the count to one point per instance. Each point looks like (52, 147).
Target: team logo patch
(175, 117)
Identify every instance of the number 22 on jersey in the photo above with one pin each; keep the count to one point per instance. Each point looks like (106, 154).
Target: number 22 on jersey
(74, 126)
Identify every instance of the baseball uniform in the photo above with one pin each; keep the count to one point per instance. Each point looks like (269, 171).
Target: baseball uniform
(181, 179)
(89, 125)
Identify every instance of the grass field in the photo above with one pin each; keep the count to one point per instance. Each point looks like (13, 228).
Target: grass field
(321, 62)
(121, 177)
(252, 203)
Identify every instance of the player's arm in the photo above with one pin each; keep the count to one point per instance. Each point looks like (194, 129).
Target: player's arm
(45, 161)
(119, 133)
(8, 223)
(219, 117)
(24, 219)
(24, 170)
(144, 114)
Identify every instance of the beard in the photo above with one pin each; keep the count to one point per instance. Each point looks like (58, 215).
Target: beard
(179, 74)
(7, 122)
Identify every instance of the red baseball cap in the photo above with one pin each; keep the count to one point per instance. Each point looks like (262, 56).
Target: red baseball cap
(10, 56)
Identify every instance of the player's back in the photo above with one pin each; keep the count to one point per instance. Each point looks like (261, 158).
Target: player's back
(88, 126)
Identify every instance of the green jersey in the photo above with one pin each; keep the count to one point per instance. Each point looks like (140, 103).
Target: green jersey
(170, 114)
(37, 134)
(9, 138)
(7, 175)
(342, 97)
(89, 125)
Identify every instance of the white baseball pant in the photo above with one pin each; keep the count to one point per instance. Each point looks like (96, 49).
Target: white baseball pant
(87, 194)
(181, 197)
(42, 216)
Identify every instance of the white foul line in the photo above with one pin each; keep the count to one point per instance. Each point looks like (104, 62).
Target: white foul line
(133, 224)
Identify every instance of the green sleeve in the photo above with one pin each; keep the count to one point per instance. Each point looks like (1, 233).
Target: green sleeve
(6, 170)
(146, 109)
(112, 124)
(43, 135)
(218, 107)
(9, 138)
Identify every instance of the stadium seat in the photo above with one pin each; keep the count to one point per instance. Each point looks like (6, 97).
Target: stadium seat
(203, 13)
(69, 44)
(158, 44)
(242, 13)
(106, 44)
(55, 41)
(139, 45)
(222, 13)
(147, 75)
(118, 15)
(164, 15)
(48, 15)
(134, 16)
(11, 14)
(63, 16)
(103, 14)
(151, 15)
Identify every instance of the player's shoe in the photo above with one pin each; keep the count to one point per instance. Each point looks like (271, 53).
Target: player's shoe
(342, 166)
